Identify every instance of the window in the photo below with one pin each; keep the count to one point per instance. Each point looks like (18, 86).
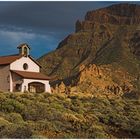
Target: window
(18, 87)
(25, 66)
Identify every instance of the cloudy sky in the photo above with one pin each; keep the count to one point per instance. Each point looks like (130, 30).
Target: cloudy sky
(42, 25)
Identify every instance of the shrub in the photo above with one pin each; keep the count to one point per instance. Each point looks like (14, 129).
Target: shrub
(14, 118)
(38, 136)
(136, 131)
(16, 131)
(132, 95)
(54, 114)
(51, 116)
(67, 103)
(2, 97)
(104, 119)
(22, 132)
(3, 123)
(11, 105)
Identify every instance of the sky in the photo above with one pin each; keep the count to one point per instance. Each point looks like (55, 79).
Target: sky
(42, 25)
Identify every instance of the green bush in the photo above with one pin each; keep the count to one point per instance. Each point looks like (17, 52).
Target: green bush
(50, 116)
(16, 131)
(136, 130)
(14, 118)
(96, 131)
(3, 123)
(11, 105)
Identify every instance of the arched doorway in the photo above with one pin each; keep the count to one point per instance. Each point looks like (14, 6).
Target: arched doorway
(36, 87)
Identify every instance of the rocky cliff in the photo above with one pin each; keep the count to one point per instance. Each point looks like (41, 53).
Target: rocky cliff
(121, 14)
(117, 14)
(107, 38)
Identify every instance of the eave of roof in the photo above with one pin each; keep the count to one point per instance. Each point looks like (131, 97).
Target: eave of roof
(35, 61)
(31, 75)
(6, 60)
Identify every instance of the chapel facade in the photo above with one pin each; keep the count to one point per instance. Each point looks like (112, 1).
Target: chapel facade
(21, 73)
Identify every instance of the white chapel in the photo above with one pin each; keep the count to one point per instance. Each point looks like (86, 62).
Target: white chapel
(21, 73)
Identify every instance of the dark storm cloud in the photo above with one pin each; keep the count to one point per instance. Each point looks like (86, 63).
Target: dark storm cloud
(49, 16)
(46, 16)
(41, 24)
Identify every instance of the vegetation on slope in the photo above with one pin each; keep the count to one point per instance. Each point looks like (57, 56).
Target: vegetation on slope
(68, 116)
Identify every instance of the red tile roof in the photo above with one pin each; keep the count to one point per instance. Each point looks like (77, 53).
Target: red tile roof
(4, 60)
(31, 75)
(34, 61)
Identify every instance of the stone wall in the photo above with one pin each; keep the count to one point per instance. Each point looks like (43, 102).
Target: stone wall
(4, 78)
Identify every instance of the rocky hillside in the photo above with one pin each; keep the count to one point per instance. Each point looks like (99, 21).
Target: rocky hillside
(108, 38)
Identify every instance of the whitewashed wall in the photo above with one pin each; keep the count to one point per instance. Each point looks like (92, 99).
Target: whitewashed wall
(18, 65)
(45, 82)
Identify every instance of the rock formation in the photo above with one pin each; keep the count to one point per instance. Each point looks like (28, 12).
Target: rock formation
(103, 51)
(121, 14)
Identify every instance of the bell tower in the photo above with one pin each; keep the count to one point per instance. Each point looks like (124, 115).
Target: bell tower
(24, 49)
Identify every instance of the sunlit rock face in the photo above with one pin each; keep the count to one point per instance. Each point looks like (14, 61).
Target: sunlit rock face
(108, 38)
(127, 14)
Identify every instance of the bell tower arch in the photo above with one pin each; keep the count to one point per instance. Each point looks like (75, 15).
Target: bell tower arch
(24, 49)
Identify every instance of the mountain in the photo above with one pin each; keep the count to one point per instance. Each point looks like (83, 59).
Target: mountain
(109, 39)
